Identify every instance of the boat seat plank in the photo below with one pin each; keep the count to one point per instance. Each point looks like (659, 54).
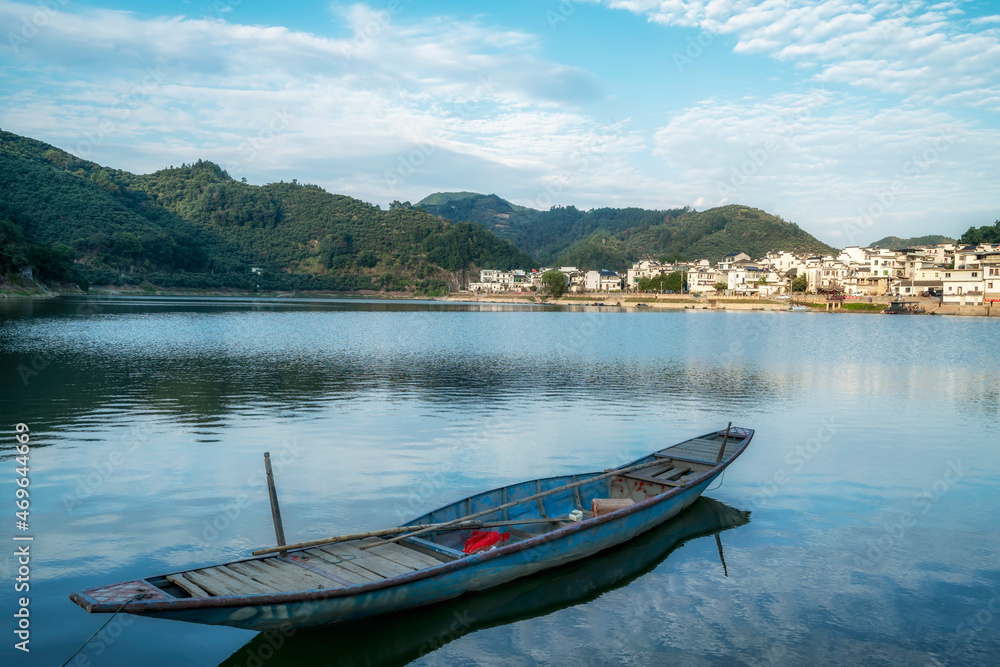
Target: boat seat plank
(685, 459)
(264, 576)
(295, 572)
(647, 480)
(192, 588)
(440, 552)
(377, 564)
(213, 584)
(673, 473)
(402, 554)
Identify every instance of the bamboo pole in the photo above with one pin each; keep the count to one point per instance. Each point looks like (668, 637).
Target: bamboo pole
(609, 473)
(722, 450)
(279, 529)
(402, 529)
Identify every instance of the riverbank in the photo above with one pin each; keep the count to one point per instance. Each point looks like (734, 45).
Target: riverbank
(669, 302)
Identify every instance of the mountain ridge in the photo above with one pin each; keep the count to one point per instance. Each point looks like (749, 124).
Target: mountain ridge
(567, 235)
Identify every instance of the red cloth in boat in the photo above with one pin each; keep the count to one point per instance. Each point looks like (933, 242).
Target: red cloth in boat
(481, 540)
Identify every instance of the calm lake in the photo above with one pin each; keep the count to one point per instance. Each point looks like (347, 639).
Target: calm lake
(860, 527)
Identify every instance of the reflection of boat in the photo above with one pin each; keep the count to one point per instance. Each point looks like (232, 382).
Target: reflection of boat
(904, 308)
(546, 524)
(400, 638)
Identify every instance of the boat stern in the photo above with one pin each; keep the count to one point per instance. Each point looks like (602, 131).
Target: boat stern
(113, 597)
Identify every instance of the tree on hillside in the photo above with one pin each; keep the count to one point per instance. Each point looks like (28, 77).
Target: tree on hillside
(555, 282)
(673, 282)
(984, 234)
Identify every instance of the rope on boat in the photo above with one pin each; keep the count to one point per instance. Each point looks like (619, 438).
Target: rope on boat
(137, 596)
(721, 478)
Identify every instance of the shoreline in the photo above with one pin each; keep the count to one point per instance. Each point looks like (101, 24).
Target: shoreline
(622, 302)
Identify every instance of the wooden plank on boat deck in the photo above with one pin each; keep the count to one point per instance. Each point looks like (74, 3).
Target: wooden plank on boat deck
(300, 573)
(261, 574)
(280, 578)
(673, 473)
(260, 586)
(309, 566)
(337, 568)
(213, 585)
(237, 582)
(377, 564)
(357, 570)
(194, 589)
(402, 554)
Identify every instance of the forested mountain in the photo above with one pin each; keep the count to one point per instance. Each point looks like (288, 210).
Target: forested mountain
(611, 238)
(896, 243)
(195, 226)
(545, 235)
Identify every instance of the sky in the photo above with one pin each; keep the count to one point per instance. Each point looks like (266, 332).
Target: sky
(854, 119)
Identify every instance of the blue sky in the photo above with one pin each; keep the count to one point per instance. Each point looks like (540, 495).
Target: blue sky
(854, 119)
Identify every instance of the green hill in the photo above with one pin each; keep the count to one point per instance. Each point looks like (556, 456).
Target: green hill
(612, 238)
(195, 226)
(896, 243)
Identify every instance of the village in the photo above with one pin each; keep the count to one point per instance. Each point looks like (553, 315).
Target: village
(953, 273)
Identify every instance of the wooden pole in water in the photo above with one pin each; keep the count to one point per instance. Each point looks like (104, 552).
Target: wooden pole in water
(722, 450)
(609, 473)
(279, 529)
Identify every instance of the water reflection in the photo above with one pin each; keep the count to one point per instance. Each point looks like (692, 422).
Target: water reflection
(400, 639)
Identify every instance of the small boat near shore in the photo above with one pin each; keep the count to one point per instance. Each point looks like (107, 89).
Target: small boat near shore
(478, 543)
(904, 308)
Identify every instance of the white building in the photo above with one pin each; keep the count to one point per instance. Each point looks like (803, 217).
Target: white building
(602, 281)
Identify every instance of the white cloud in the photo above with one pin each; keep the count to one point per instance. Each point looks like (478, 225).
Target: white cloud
(914, 50)
(827, 159)
(401, 108)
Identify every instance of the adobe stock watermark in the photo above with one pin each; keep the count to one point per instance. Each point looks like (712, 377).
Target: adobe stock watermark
(219, 8)
(278, 123)
(586, 156)
(759, 155)
(461, 625)
(695, 46)
(411, 162)
(378, 22)
(229, 512)
(911, 171)
(561, 14)
(105, 469)
(796, 459)
(123, 108)
(975, 623)
(922, 503)
(32, 24)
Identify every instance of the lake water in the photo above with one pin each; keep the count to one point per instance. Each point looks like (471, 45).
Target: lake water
(872, 482)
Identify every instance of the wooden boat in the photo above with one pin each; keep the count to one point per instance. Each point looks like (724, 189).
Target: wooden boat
(399, 639)
(315, 585)
(904, 308)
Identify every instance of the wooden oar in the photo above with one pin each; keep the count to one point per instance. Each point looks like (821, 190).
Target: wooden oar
(403, 529)
(609, 473)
